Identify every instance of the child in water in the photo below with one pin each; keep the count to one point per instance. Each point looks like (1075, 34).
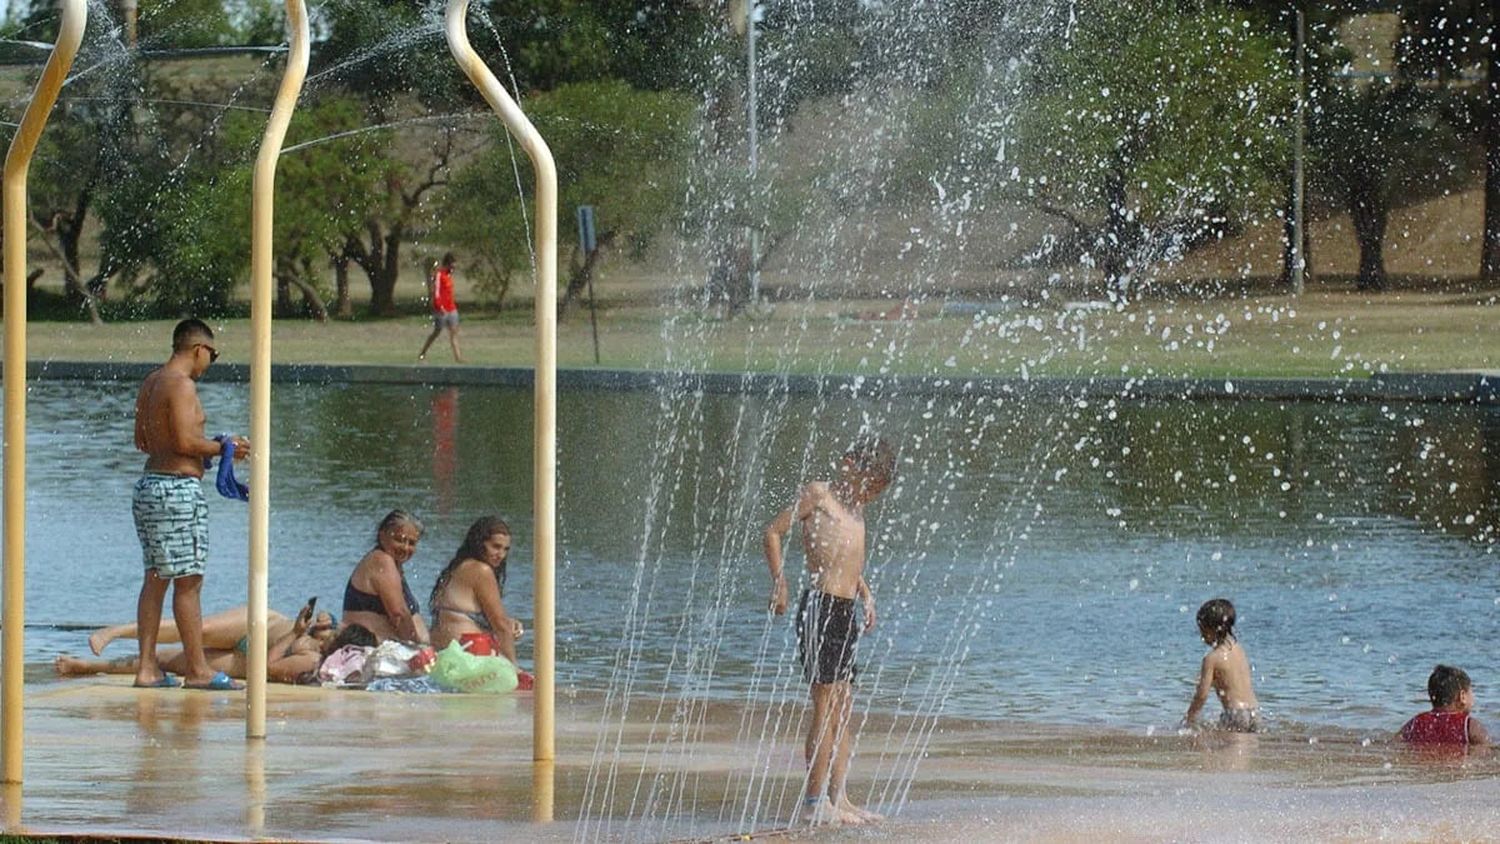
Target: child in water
(1449, 722)
(1226, 670)
(832, 516)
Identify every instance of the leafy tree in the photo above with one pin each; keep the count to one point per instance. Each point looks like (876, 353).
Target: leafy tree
(390, 52)
(618, 148)
(1151, 126)
(392, 48)
(163, 236)
(184, 23)
(86, 149)
(1447, 40)
(1374, 142)
(326, 190)
(88, 146)
(325, 186)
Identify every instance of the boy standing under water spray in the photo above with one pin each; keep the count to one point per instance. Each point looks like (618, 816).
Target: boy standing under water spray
(832, 516)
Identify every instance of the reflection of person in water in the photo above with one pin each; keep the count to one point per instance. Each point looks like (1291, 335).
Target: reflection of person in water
(444, 446)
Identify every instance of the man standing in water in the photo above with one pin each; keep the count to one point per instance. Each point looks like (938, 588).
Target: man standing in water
(171, 516)
(444, 307)
(832, 516)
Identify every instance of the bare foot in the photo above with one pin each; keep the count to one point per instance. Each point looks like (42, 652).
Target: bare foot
(821, 813)
(69, 665)
(848, 818)
(98, 641)
(849, 809)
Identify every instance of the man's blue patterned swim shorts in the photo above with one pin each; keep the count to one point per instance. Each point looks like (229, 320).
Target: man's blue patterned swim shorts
(171, 518)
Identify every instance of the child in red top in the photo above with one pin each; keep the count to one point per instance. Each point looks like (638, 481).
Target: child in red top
(1449, 722)
(444, 309)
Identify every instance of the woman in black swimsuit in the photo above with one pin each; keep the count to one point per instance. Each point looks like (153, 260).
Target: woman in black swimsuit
(466, 600)
(377, 596)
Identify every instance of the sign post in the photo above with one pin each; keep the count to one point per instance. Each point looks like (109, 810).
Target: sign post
(588, 242)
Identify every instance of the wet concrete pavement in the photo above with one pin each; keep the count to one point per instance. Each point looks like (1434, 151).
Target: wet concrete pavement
(105, 758)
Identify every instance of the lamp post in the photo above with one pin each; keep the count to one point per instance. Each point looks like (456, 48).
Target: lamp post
(754, 143)
(128, 12)
(1299, 186)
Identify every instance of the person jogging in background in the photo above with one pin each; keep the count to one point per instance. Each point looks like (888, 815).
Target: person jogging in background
(444, 309)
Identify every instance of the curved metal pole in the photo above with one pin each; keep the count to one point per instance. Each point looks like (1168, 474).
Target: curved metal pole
(544, 455)
(17, 163)
(264, 196)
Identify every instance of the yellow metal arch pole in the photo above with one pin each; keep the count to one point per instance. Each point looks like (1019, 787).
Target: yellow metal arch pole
(544, 459)
(264, 196)
(17, 162)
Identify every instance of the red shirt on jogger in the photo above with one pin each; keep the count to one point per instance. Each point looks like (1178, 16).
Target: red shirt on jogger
(442, 293)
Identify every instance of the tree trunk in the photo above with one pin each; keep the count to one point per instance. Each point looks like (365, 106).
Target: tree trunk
(383, 292)
(67, 252)
(729, 276)
(383, 279)
(283, 295)
(578, 280)
(67, 242)
(343, 306)
(73, 285)
(310, 297)
(1489, 262)
(1117, 240)
(1367, 208)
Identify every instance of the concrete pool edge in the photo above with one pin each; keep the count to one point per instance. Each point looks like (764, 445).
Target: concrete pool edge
(1459, 387)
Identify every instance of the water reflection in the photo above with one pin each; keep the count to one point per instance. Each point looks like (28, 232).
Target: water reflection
(168, 767)
(1227, 751)
(444, 447)
(255, 786)
(543, 792)
(10, 799)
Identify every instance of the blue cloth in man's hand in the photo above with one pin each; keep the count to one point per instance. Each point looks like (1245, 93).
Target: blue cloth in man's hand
(228, 485)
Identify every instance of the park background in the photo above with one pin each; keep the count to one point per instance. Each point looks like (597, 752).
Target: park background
(1076, 188)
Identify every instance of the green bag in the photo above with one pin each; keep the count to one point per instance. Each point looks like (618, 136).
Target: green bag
(457, 670)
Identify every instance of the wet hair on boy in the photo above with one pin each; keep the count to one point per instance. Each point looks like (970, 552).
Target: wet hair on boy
(1216, 617)
(1449, 724)
(1445, 684)
(871, 457)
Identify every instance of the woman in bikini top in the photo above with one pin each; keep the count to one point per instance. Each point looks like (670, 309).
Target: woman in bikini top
(377, 595)
(467, 598)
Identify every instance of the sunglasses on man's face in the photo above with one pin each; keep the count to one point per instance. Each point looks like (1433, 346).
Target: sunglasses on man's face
(213, 354)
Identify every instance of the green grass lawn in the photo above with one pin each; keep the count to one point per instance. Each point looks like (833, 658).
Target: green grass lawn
(1320, 334)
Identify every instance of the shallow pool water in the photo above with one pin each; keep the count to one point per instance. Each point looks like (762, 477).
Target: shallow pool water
(1037, 560)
